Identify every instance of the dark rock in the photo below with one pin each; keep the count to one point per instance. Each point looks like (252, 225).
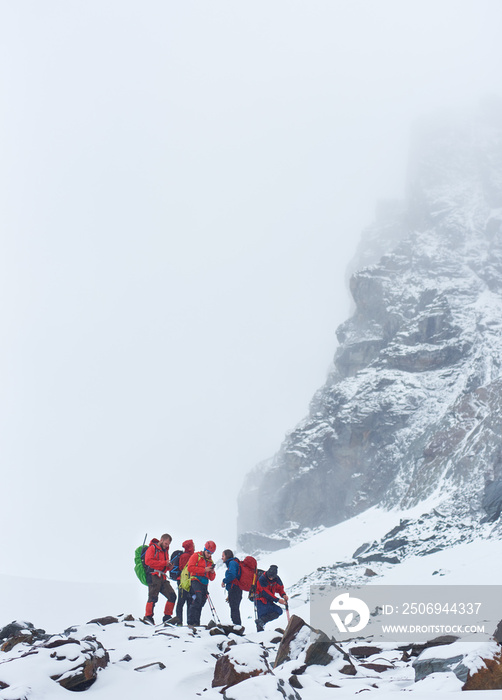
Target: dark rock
(14, 628)
(108, 620)
(296, 624)
(127, 657)
(3, 685)
(82, 676)
(287, 693)
(20, 632)
(489, 677)
(391, 545)
(444, 640)
(370, 572)
(425, 667)
(155, 664)
(227, 675)
(363, 652)
(215, 630)
(18, 639)
(320, 649)
(349, 669)
(301, 669)
(330, 685)
(318, 653)
(433, 550)
(59, 642)
(294, 682)
(360, 550)
(379, 668)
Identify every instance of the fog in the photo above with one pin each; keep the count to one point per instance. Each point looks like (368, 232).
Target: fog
(183, 185)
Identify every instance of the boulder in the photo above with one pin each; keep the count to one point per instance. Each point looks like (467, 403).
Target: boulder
(319, 649)
(83, 669)
(297, 629)
(489, 677)
(428, 662)
(18, 632)
(239, 663)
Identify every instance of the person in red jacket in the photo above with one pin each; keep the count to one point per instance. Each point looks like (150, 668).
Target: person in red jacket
(157, 565)
(183, 596)
(201, 570)
(269, 585)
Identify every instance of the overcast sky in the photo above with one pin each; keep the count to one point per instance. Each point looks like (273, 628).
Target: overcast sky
(182, 187)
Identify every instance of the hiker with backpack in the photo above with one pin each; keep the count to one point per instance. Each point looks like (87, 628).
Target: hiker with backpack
(268, 586)
(231, 583)
(200, 570)
(157, 566)
(179, 560)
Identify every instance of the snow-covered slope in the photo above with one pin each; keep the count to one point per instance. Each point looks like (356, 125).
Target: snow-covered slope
(178, 662)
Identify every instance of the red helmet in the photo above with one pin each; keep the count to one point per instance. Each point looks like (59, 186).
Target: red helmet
(210, 546)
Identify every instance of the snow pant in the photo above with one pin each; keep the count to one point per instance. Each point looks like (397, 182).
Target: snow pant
(198, 593)
(183, 598)
(234, 600)
(267, 612)
(160, 585)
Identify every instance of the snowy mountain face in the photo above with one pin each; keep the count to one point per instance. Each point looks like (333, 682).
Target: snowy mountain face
(412, 405)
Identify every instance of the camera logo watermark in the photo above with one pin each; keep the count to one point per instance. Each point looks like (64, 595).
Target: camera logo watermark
(352, 608)
(406, 613)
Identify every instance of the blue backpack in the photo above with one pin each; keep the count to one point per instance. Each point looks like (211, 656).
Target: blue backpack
(175, 572)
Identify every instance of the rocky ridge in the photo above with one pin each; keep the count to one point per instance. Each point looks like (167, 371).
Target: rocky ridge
(295, 663)
(412, 404)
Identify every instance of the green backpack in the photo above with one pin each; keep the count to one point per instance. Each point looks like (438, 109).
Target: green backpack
(185, 579)
(139, 563)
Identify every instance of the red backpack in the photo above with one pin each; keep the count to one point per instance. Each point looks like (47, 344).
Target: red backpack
(248, 570)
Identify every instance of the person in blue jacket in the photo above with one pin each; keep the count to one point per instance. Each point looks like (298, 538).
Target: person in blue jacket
(231, 583)
(269, 592)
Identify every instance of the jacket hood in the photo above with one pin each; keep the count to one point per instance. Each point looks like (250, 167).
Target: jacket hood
(154, 540)
(188, 546)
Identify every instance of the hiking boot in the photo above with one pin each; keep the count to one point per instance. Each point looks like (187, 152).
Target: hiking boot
(149, 620)
(260, 626)
(171, 620)
(167, 618)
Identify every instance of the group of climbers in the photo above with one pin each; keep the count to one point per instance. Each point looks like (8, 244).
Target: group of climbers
(193, 571)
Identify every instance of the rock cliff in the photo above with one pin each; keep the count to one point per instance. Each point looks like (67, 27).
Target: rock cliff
(412, 404)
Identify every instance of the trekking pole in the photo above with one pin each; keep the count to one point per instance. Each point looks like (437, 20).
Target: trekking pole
(213, 609)
(287, 610)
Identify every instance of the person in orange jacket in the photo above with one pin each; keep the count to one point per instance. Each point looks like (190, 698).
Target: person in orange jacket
(157, 565)
(183, 596)
(201, 570)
